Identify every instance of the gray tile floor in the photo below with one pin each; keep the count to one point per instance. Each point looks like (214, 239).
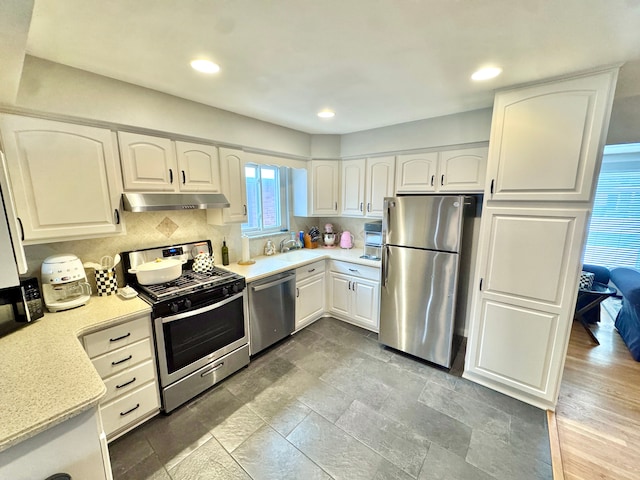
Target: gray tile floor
(330, 402)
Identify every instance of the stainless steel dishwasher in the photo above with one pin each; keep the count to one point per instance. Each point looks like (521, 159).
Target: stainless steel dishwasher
(272, 310)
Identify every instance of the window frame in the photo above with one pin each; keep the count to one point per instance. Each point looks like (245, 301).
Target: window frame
(283, 200)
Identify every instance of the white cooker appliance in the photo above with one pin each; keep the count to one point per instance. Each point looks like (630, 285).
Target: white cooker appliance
(64, 282)
(200, 321)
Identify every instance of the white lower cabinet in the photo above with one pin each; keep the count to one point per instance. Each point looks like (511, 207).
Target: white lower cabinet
(75, 447)
(310, 293)
(123, 356)
(354, 293)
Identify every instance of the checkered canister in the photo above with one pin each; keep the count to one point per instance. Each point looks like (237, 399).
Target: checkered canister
(106, 281)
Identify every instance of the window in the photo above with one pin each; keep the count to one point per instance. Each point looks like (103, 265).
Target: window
(267, 210)
(614, 231)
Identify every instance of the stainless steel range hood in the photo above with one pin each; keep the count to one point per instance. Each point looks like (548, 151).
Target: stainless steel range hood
(149, 202)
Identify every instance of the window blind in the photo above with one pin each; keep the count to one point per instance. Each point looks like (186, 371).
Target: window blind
(614, 231)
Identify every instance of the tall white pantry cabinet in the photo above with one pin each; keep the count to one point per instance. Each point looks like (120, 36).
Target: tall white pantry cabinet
(545, 152)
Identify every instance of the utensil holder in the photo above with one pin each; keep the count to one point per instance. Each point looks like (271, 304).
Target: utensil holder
(106, 281)
(308, 243)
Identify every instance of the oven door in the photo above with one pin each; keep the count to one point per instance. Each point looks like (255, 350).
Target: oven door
(188, 341)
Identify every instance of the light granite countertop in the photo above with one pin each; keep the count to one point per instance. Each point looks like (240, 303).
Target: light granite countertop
(45, 375)
(281, 262)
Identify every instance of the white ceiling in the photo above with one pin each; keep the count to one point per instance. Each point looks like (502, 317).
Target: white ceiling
(375, 62)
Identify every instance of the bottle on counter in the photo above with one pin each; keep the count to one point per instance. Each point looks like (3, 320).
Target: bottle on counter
(225, 252)
(301, 238)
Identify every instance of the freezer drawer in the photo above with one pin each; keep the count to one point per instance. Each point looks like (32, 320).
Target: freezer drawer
(272, 310)
(417, 302)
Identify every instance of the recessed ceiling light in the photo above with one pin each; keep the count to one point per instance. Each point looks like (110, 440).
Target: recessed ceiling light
(326, 114)
(205, 66)
(486, 73)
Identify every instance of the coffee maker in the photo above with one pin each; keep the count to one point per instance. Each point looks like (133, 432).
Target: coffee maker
(64, 282)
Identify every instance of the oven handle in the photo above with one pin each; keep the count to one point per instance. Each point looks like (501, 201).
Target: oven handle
(173, 318)
(257, 288)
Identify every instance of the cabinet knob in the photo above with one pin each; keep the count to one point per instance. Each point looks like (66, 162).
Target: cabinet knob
(170, 176)
(116, 214)
(361, 204)
(442, 180)
(432, 179)
(184, 178)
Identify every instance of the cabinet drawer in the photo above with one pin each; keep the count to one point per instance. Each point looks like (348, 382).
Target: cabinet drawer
(127, 409)
(123, 358)
(128, 380)
(309, 270)
(117, 336)
(355, 270)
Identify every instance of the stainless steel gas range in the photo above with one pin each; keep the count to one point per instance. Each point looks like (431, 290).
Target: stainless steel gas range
(200, 322)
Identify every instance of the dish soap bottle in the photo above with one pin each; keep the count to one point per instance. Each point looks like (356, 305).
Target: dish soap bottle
(225, 252)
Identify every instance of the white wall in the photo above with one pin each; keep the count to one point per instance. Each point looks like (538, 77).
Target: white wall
(54, 88)
(461, 128)
(14, 28)
(624, 126)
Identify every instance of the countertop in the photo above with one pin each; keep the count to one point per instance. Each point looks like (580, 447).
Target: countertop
(45, 375)
(281, 262)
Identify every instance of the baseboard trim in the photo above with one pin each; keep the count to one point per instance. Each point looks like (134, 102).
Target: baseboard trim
(554, 444)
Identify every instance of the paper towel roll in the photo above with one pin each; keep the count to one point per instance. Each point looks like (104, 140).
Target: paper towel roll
(245, 249)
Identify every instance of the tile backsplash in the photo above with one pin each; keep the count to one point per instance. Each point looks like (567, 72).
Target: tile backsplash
(151, 229)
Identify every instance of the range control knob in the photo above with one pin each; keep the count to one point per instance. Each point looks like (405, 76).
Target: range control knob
(174, 307)
(187, 303)
(225, 291)
(236, 288)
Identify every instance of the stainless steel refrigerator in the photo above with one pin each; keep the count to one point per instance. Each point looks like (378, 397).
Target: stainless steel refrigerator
(422, 238)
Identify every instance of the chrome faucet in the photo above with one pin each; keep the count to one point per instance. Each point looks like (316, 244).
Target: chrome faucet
(292, 243)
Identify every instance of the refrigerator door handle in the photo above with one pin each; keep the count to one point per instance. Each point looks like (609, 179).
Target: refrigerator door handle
(385, 266)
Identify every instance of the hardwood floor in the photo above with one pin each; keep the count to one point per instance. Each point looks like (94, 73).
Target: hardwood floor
(598, 411)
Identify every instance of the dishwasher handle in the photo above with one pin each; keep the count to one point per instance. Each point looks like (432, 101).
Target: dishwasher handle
(262, 286)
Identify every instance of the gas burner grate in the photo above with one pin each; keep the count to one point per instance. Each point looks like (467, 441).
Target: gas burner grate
(189, 281)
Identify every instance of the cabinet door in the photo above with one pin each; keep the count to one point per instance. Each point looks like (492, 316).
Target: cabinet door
(234, 188)
(325, 187)
(416, 173)
(353, 186)
(65, 178)
(528, 272)
(547, 140)
(310, 295)
(380, 184)
(339, 294)
(148, 163)
(199, 167)
(365, 303)
(462, 170)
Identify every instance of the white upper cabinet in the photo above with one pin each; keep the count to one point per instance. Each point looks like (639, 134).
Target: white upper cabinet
(547, 140)
(353, 179)
(317, 189)
(379, 184)
(65, 179)
(234, 187)
(157, 164)
(451, 171)
(148, 163)
(199, 167)
(416, 173)
(365, 183)
(462, 170)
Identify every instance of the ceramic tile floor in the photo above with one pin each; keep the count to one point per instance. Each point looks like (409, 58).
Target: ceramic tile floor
(330, 402)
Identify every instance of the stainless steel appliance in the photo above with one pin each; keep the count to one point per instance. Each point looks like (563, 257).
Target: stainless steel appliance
(272, 304)
(64, 282)
(20, 305)
(372, 240)
(422, 238)
(200, 322)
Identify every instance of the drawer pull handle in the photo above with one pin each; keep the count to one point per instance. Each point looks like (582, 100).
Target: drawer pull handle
(120, 338)
(353, 269)
(122, 361)
(312, 270)
(122, 385)
(122, 414)
(213, 369)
